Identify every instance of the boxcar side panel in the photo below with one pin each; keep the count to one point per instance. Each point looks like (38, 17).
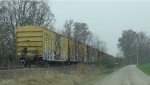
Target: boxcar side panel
(49, 45)
(83, 52)
(77, 51)
(96, 55)
(93, 54)
(53, 46)
(58, 47)
(64, 48)
(90, 54)
(71, 50)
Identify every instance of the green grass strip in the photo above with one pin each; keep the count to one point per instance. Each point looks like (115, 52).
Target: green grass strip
(145, 68)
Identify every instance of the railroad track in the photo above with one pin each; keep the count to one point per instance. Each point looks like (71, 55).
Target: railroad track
(9, 68)
(34, 66)
(19, 67)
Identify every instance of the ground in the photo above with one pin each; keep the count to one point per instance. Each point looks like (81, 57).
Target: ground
(129, 75)
(60, 75)
(75, 75)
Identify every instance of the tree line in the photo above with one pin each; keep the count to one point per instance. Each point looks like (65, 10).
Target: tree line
(80, 32)
(15, 13)
(135, 47)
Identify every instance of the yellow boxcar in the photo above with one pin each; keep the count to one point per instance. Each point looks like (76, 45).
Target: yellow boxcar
(95, 55)
(49, 45)
(77, 51)
(71, 49)
(35, 38)
(31, 38)
(83, 52)
(90, 52)
(64, 48)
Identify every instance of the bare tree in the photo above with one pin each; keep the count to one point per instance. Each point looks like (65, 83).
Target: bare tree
(127, 45)
(27, 12)
(99, 44)
(103, 47)
(135, 47)
(141, 40)
(81, 31)
(69, 24)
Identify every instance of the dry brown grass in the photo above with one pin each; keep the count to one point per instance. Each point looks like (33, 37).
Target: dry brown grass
(80, 75)
(81, 68)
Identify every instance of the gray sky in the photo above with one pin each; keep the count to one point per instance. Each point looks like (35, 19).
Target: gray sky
(107, 19)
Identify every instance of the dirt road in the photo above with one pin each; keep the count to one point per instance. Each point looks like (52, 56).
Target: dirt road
(129, 75)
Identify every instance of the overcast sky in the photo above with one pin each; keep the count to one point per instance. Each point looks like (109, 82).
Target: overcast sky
(106, 18)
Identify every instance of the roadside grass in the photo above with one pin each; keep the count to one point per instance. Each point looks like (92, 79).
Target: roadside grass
(145, 68)
(81, 75)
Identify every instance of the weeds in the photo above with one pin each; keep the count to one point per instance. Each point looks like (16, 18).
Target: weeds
(76, 75)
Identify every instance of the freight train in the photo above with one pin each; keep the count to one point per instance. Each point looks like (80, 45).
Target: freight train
(36, 44)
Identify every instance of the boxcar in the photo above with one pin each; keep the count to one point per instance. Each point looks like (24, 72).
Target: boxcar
(29, 42)
(64, 48)
(89, 54)
(49, 47)
(95, 55)
(35, 43)
(58, 47)
(92, 54)
(99, 58)
(83, 52)
(77, 51)
(71, 49)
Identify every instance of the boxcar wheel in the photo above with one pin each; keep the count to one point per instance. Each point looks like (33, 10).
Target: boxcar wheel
(27, 63)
